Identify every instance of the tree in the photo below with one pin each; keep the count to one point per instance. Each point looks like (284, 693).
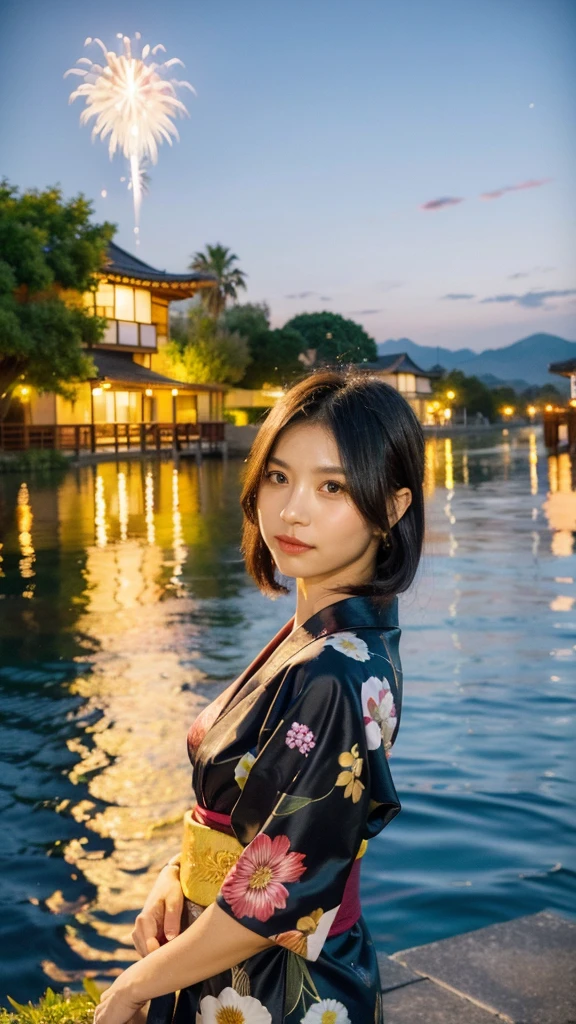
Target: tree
(219, 261)
(248, 319)
(49, 255)
(274, 358)
(202, 351)
(471, 394)
(335, 339)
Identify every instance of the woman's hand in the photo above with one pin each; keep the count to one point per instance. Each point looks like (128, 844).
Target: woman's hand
(159, 919)
(119, 1004)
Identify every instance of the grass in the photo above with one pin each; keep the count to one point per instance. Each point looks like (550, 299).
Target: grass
(53, 1008)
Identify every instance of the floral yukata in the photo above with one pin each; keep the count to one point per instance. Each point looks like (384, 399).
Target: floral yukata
(295, 751)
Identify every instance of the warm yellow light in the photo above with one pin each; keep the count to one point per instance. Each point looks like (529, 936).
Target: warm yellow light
(96, 391)
(450, 395)
(508, 410)
(174, 392)
(447, 414)
(106, 386)
(148, 392)
(24, 391)
(531, 410)
(435, 405)
(573, 403)
(429, 408)
(549, 408)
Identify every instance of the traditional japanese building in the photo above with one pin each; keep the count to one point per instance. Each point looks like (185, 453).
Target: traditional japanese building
(413, 383)
(129, 386)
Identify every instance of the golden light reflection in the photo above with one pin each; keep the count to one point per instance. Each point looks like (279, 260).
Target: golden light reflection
(533, 457)
(123, 506)
(179, 548)
(24, 519)
(100, 513)
(448, 464)
(430, 467)
(465, 470)
(560, 505)
(149, 507)
(140, 696)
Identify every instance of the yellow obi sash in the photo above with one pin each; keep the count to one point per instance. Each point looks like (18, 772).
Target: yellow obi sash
(206, 858)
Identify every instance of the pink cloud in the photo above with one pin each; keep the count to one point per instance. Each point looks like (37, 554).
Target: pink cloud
(439, 204)
(499, 192)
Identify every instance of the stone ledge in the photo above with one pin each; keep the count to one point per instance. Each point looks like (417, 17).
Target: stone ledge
(521, 971)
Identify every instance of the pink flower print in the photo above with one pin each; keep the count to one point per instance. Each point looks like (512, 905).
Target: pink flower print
(253, 886)
(302, 737)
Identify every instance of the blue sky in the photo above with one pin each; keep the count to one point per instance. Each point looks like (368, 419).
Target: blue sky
(319, 132)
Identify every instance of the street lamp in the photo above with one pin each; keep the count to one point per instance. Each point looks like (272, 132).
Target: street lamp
(549, 408)
(450, 395)
(447, 414)
(508, 411)
(531, 410)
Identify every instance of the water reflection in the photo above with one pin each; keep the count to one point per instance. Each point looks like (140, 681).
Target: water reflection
(124, 606)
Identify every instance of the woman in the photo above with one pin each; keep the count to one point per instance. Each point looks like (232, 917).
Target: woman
(290, 763)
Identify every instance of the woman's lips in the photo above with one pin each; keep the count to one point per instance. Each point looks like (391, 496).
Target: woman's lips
(293, 546)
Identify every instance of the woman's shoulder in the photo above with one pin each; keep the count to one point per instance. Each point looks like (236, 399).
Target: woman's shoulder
(342, 661)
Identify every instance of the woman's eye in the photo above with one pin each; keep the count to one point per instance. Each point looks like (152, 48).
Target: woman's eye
(333, 487)
(273, 475)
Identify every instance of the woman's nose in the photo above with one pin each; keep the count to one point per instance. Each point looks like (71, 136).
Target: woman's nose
(295, 512)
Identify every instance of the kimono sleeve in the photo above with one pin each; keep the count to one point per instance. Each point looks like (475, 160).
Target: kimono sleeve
(317, 788)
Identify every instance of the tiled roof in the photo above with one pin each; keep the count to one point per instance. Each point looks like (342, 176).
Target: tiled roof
(121, 262)
(401, 363)
(566, 368)
(120, 368)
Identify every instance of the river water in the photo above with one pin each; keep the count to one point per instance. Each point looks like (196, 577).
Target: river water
(124, 607)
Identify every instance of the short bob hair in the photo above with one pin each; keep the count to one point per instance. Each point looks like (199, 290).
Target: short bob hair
(381, 444)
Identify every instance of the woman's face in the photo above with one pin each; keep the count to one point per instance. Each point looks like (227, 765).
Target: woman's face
(306, 516)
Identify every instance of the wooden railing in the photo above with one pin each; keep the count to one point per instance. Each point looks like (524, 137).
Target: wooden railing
(87, 437)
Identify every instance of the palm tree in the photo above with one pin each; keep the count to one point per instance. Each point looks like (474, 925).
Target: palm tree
(219, 261)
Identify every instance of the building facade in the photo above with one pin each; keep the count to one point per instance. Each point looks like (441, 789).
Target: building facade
(402, 373)
(129, 386)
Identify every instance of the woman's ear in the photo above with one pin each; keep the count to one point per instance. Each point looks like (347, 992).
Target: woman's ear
(400, 503)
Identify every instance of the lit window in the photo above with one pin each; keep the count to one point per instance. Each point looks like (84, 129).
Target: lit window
(143, 306)
(124, 302)
(127, 334)
(105, 300)
(148, 335)
(110, 336)
(88, 301)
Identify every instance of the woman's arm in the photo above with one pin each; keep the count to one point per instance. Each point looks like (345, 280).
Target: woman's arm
(213, 943)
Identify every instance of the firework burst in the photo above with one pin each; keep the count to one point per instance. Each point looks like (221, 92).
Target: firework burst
(133, 104)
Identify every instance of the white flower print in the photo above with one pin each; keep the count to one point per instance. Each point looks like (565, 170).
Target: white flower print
(350, 644)
(379, 712)
(231, 1008)
(242, 769)
(300, 736)
(327, 1011)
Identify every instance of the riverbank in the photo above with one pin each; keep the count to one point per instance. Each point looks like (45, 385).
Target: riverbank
(518, 971)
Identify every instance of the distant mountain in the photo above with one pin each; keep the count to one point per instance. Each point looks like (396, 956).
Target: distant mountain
(525, 360)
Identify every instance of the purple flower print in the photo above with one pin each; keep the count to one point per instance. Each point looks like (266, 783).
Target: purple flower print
(300, 736)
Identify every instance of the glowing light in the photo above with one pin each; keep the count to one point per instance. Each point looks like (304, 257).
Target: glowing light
(104, 193)
(132, 104)
(531, 410)
(508, 410)
(174, 391)
(24, 391)
(573, 403)
(148, 392)
(450, 395)
(447, 414)
(96, 391)
(549, 408)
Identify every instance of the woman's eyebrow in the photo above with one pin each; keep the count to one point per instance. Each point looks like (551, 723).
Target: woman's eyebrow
(319, 469)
